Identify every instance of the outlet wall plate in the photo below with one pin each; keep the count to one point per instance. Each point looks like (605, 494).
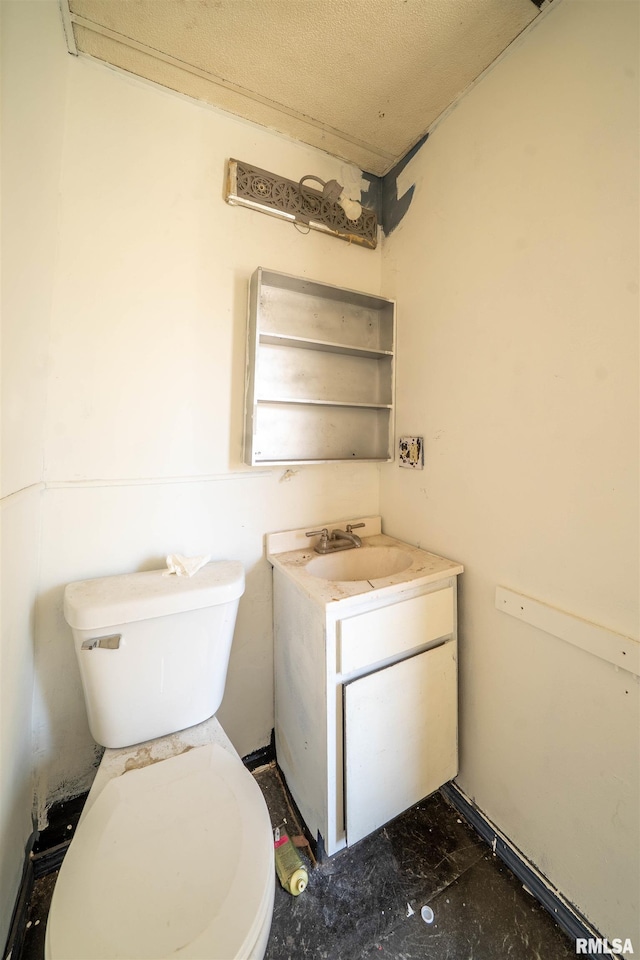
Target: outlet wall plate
(411, 452)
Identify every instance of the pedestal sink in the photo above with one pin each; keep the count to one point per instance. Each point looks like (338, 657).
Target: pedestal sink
(361, 563)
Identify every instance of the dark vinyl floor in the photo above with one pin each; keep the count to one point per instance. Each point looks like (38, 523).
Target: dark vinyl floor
(366, 901)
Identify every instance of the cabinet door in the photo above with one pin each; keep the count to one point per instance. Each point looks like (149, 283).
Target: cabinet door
(400, 731)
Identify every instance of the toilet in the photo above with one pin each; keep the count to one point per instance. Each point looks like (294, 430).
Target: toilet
(173, 854)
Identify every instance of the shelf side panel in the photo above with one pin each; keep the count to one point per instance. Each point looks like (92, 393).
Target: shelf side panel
(251, 365)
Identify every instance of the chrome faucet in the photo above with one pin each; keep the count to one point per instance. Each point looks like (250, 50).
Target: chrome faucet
(348, 534)
(337, 539)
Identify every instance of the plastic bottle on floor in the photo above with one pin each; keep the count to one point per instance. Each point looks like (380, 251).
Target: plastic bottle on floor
(291, 872)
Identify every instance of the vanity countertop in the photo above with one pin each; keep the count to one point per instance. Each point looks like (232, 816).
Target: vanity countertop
(424, 567)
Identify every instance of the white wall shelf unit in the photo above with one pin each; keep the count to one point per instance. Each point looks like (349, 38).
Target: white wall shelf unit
(320, 373)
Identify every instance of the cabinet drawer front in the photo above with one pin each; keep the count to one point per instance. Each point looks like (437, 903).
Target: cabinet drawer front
(393, 630)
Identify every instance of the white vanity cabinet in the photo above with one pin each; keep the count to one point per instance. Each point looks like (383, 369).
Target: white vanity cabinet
(365, 692)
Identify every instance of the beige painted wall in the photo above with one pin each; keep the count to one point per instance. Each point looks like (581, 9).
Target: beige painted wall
(31, 139)
(146, 382)
(515, 269)
(124, 310)
(516, 272)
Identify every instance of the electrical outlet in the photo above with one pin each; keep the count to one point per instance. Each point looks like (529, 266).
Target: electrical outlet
(411, 452)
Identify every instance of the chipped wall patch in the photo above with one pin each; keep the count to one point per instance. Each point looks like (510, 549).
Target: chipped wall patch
(288, 475)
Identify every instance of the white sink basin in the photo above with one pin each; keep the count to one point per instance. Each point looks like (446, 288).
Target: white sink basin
(361, 563)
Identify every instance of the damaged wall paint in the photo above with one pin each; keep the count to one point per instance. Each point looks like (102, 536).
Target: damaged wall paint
(394, 207)
(382, 193)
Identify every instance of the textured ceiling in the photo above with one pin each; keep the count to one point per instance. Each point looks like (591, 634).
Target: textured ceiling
(361, 79)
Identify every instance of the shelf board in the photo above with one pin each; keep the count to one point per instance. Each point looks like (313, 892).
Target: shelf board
(306, 343)
(323, 403)
(281, 461)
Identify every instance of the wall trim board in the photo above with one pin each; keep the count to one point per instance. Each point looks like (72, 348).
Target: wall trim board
(149, 481)
(123, 45)
(615, 648)
(563, 912)
(67, 24)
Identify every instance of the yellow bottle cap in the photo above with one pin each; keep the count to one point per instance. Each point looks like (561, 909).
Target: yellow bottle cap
(298, 881)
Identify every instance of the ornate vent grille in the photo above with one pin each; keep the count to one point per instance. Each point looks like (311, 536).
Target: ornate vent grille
(249, 186)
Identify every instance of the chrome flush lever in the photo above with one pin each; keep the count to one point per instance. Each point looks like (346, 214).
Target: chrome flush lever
(111, 642)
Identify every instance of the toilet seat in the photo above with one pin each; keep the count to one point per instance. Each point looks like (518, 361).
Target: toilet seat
(173, 860)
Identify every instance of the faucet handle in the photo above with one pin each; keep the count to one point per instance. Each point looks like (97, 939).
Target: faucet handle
(354, 526)
(324, 533)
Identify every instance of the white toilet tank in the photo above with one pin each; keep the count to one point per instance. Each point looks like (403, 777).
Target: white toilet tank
(153, 648)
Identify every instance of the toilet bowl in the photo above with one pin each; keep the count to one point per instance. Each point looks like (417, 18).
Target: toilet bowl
(172, 857)
(173, 854)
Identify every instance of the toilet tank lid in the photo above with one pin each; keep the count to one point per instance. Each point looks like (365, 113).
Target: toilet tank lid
(107, 601)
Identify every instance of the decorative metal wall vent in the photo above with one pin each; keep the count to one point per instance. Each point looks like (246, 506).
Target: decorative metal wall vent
(249, 186)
